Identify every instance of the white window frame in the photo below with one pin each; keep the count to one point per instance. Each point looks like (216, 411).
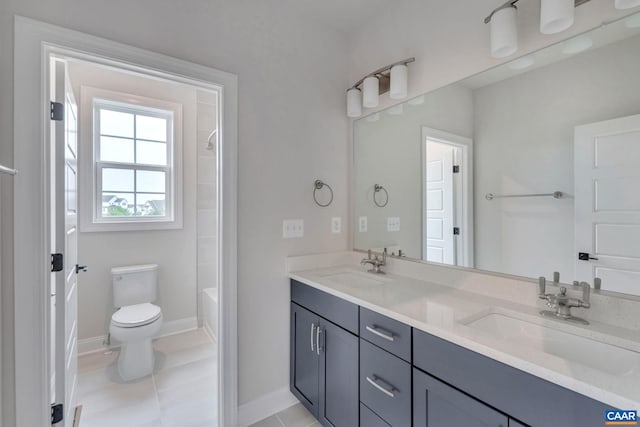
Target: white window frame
(90, 190)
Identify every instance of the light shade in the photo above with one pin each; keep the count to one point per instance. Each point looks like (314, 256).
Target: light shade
(556, 15)
(370, 92)
(627, 4)
(504, 32)
(398, 89)
(354, 102)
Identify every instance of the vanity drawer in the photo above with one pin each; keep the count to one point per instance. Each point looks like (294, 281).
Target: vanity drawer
(385, 384)
(334, 309)
(389, 334)
(368, 418)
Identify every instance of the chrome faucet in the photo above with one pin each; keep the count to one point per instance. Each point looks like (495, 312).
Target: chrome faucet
(561, 304)
(375, 262)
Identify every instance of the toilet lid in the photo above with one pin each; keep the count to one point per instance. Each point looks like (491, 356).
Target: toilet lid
(131, 316)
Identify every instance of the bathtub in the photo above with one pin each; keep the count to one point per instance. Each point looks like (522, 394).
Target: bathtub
(210, 311)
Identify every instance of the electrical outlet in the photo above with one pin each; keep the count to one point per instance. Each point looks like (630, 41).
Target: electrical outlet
(393, 223)
(336, 225)
(292, 228)
(362, 224)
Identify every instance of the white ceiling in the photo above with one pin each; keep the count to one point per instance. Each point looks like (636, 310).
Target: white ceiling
(343, 15)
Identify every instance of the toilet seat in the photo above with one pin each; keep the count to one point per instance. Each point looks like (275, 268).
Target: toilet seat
(133, 316)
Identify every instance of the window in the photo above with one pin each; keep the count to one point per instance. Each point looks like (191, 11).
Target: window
(134, 163)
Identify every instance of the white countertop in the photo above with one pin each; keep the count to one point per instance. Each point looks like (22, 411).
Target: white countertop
(443, 311)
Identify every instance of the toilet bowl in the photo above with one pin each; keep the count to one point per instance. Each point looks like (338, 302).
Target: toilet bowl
(134, 326)
(136, 321)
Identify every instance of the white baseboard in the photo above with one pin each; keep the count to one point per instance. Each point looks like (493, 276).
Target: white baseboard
(94, 344)
(265, 406)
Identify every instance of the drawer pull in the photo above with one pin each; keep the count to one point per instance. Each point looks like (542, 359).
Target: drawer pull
(386, 389)
(313, 326)
(380, 332)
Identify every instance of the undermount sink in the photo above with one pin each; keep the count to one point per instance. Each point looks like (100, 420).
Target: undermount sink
(604, 357)
(353, 278)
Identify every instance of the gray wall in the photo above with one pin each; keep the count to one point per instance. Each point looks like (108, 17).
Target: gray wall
(524, 127)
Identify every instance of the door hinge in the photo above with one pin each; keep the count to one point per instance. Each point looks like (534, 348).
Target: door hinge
(57, 413)
(456, 231)
(57, 262)
(57, 111)
(456, 169)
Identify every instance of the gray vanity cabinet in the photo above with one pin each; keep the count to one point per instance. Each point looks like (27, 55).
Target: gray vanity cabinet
(435, 404)
(304, 358)
(324, 356)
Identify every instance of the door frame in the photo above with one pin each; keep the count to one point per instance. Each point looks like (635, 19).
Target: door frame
(34, 42)
(464, 216)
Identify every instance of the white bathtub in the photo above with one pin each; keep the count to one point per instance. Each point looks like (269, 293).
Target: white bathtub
(210, 311)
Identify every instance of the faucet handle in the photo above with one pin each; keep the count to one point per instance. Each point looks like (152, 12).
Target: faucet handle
(384, 256)
(542, 284)
(597, 283)
(586, 293)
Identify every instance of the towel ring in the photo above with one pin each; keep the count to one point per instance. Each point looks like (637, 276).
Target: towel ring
(318, 186)
(376, 189)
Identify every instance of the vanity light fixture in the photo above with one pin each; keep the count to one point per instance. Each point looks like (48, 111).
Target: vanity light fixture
(366, 92)
(627, 4)
(555, 16)
(504, 31)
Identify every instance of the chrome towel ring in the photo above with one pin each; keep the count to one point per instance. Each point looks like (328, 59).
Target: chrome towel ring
(376, 189)
(318, 184)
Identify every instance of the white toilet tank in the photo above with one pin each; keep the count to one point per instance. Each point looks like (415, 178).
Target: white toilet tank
(134, 284)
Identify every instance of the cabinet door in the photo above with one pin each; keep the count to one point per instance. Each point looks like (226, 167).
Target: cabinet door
(339, 403)
(435, 404)
(304, 379)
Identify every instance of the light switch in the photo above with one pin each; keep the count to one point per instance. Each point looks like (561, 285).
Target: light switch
(336, 225)
(292, 228)
(393, 223)
(362, 224)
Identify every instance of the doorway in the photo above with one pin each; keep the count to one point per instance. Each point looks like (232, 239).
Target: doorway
(35, 44)
(139, 179)
(447, 217)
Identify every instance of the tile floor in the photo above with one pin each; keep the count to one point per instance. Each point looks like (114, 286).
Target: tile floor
(182, 392)
(295, 416)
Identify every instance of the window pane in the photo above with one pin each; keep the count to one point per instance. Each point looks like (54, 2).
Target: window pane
(154, 128)
(117, 180)
(116, 149)
(150, 181)
(117, 204)
(151, 204)
(151, 153)
(116, 123)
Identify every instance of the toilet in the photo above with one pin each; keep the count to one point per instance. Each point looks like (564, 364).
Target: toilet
(136, 320)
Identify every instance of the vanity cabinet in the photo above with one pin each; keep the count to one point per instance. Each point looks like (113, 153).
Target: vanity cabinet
(522, 396)
(324, 356)
(351, 366)
(437, 404)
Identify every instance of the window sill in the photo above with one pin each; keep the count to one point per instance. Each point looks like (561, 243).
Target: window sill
(105, 227)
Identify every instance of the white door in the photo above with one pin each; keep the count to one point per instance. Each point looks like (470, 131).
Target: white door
(64, 146)
(607, 204)
(439, 207)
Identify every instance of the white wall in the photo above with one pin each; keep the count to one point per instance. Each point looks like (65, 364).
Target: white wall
(292, 130)
(101, 251)
(389, 152)
(524, 126)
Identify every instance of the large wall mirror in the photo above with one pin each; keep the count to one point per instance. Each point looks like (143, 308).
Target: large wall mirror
(528, 168)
